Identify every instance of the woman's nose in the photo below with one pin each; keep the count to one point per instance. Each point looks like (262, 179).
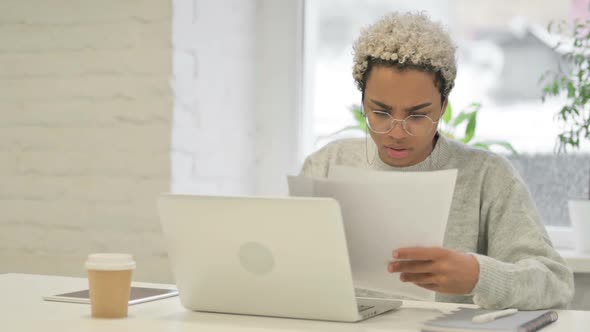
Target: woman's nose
(397, 131)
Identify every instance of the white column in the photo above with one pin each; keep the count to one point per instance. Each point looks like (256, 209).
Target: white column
(278, 93)
(213, 140)
(237, 78)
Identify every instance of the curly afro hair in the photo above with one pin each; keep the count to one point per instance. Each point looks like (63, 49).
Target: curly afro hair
(406, 41)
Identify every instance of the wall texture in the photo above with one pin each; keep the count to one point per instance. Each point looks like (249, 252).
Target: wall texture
(86, 108)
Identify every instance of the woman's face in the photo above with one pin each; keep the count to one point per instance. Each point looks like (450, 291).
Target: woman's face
(401, 93)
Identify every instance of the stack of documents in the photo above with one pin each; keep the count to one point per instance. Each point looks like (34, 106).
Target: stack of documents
(384, 211)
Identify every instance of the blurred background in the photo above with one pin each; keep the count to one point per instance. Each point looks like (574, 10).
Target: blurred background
(106, 104)
(502, 51)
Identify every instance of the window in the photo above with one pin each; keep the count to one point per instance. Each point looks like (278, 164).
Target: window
(502, 52)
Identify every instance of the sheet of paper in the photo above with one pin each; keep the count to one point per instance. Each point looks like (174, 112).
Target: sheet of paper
(383, 211)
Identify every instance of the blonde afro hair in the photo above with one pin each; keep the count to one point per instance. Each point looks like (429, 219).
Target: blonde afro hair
(409, 40)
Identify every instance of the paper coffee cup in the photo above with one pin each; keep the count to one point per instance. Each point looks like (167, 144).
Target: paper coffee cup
(109, 281)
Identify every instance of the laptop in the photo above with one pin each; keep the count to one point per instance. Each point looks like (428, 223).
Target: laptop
(279, 257)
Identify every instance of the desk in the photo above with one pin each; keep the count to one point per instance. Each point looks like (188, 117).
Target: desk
(22, 309)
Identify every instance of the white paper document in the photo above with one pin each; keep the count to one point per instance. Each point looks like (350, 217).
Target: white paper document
(383, 211)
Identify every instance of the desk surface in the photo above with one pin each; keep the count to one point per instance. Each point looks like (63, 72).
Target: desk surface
(22, 309)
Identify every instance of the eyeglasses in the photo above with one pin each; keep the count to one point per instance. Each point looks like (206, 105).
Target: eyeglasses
(415, 125)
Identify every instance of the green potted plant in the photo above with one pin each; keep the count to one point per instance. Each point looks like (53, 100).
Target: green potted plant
(450, 126)
(572, 81)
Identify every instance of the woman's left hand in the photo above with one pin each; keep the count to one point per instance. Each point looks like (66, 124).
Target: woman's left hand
(438, 269)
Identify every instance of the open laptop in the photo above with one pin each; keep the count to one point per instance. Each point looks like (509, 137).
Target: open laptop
(281, 257)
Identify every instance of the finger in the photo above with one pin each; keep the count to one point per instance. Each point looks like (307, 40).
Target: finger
(420, 253)
(412, 267)
(418, 278)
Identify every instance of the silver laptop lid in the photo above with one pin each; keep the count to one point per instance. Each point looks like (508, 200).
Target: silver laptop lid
(284, 257)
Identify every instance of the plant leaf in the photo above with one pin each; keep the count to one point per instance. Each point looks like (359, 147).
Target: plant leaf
(571, 90)
(448, 115)
(359, 118)
(447, 134)
(470, 129)
(463, 116)
(481, 145)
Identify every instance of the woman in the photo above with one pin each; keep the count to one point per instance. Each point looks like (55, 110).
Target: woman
(496, 251)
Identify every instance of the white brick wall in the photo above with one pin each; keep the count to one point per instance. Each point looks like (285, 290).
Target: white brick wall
(91, 131)
(85, 130)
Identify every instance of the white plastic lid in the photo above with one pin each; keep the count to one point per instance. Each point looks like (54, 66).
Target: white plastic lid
(110, 262)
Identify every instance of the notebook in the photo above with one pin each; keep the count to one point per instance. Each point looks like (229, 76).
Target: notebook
(460, 321)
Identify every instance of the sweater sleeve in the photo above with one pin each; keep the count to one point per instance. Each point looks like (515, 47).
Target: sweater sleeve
(521, 269)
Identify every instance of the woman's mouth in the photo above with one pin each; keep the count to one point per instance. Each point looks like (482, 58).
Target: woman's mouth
(397, 153)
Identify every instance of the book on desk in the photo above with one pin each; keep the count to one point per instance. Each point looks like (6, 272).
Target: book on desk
(462, 321)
